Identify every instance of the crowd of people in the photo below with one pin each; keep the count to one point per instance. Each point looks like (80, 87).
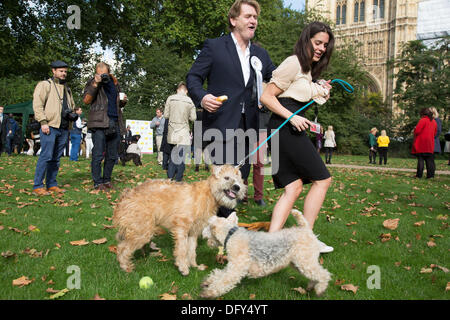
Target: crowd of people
(258, 96)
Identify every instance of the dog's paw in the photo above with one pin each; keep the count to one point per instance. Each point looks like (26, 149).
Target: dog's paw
(202, 267)
(207, 294)
(184, 271)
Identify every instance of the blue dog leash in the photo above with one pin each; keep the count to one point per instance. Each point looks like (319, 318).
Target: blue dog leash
(344, 84)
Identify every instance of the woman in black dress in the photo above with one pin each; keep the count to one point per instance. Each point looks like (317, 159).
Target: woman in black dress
(293, 84)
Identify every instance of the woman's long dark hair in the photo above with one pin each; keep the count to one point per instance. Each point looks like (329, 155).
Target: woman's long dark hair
(304, 50)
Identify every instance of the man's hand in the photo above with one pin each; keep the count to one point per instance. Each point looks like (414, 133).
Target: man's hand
(97, 78)
(45, 129)
(210, 103)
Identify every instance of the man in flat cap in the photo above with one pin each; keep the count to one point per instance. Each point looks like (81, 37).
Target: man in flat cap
(53, 108)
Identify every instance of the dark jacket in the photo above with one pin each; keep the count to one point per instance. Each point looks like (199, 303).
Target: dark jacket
(218, 63)
(98, 113)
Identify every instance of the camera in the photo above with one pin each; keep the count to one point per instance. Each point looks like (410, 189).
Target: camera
(105, 77)
(69, 115)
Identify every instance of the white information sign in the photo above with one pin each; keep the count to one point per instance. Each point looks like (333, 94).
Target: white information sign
(142, 127)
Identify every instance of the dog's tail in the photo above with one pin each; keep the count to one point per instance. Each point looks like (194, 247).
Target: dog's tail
(298, 216)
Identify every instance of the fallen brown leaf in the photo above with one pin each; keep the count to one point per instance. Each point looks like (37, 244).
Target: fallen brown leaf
(22, 281)
(418, 224)
(426, 270)
(112, 248)
(168, 296)
(349, 287)
(100, 241)
(391, 224)
(97, 297)
(82, 242)
(385, 237)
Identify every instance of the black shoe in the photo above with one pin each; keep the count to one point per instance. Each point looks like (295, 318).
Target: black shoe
(260, 203)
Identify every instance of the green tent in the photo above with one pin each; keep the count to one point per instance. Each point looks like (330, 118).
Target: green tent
(24, 108)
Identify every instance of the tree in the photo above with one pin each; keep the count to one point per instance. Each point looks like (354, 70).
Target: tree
(422, 81)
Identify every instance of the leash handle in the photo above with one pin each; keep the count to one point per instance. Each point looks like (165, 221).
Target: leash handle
(344, 84)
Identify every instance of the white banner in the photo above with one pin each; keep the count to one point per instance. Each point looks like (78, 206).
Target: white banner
(142, 127)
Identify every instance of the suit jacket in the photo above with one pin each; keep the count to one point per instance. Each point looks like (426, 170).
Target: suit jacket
(218, 63)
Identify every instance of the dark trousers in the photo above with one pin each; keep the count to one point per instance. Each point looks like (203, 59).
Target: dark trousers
(382, 153)
(372, 155)
(105, 147)
(125, 157)
(428, 158)
(328, 154)
(177, 161)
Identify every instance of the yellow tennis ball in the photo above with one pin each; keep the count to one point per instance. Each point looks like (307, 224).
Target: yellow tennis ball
(145, 283)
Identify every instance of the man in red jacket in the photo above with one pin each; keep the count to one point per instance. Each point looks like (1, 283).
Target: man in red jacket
(423, 145)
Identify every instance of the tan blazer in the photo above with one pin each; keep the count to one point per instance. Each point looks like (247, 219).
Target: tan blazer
(179, 110)
(47, 105)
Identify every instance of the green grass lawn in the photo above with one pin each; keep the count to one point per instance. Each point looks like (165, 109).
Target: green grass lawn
(410, 261)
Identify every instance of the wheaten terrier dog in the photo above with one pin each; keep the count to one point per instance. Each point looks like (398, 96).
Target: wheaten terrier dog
(257, 254)
(182, 208)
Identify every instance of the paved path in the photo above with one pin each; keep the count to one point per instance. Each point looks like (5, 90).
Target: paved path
(438, 172)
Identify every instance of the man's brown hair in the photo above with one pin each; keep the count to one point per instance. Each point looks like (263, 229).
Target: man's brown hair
(235, 10)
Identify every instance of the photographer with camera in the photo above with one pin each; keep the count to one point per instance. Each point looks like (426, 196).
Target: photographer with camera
(53, 108)
(105, 121)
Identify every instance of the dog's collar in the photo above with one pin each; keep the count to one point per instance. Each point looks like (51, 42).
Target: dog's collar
(230, 233)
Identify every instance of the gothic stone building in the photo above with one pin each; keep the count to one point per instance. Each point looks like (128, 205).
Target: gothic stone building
(379, 26)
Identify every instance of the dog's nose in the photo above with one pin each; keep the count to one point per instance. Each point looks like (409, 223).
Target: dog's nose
(235, 188)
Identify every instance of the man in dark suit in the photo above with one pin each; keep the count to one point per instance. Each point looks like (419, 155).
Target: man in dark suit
(225, 63)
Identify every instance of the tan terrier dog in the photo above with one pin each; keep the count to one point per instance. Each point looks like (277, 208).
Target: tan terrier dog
(182, 208)
(257, 254)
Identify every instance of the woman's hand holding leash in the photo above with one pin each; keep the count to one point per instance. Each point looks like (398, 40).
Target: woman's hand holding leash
(300, 123)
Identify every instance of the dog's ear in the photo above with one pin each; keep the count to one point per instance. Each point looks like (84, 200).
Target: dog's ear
(233, 218)
(216, 170)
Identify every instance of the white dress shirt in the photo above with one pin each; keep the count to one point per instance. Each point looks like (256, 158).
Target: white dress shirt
(244, 58)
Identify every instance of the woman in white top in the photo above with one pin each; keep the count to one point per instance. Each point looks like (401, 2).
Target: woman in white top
(291, 87)
(329, 144)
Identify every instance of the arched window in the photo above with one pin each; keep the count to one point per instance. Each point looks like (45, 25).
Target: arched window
(341, 12)
(362, 10)
(378, 9)
(359, 11)
(338, 15)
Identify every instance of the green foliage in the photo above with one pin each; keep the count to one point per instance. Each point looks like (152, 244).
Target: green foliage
(155, 44)
(422, 81)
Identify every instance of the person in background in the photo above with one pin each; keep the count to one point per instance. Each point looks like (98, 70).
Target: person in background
(105, 121)
(75, 135)
(437, 142)
(319, 140)
(372, 145)
(423, 144)
(11, 130)
(178, 111)
(330, 144)
(157, 124)
(3, 122)
(53, 106)
(383, 144)
(447, 145)
(133, 152)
